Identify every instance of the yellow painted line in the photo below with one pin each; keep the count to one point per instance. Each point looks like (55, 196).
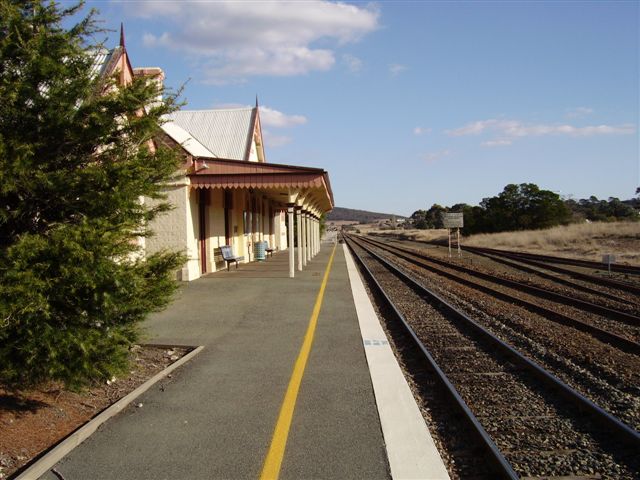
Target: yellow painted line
(273, 461)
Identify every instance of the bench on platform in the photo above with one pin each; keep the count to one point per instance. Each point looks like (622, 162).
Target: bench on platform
(268, 250)
(228, 256)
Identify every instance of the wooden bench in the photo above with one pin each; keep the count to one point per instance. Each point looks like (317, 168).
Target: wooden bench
(228, 256)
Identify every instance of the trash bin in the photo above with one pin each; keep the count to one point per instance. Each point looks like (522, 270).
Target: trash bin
(259, 251)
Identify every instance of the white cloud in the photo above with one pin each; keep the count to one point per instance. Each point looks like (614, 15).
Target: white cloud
(508, 130)
(474, 128)
(354, 64)
(270, 117)
(275, 141)
(435, 156)
(236, 40)
(496, 143)
(396, 69)
(421, 131)
(579, 112)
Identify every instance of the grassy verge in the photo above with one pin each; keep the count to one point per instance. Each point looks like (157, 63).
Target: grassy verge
(583, 240)
(580, 240)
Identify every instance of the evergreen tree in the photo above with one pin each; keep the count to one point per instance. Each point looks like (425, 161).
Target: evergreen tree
(75, 160)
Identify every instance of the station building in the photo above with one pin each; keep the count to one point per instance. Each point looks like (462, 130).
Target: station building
(226, 193)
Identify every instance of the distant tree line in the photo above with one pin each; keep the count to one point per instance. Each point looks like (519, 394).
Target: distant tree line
(360, 216)
(609, 210)
(527, 207)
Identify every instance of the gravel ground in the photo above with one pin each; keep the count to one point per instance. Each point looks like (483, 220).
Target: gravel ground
(538, 433)
(452, 436)
(470, 259)
(606, 375)
(618, 327)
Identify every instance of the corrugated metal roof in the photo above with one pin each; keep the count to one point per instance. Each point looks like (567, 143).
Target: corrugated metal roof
(190, 144)
(224, 132)
(100, 60)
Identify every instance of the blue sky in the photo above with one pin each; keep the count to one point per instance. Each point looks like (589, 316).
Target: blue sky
(407, 104)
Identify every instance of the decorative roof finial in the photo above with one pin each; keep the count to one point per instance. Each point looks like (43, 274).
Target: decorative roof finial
(121, 34)
(256, 100)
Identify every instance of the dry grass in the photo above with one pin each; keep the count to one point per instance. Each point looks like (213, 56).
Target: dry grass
(415, 235)
(581, 240)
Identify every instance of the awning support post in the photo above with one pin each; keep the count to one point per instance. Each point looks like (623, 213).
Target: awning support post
(316, 234)
(305, 237)
(299, 239)
(291, 245)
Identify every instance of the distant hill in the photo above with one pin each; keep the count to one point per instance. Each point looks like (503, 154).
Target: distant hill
(349, 214)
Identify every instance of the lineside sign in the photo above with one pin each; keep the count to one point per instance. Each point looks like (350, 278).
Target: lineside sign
(453, 220)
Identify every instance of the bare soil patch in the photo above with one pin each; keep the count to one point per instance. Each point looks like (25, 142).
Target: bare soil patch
(33, 420)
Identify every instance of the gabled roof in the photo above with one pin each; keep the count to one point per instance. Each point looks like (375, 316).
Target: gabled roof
(100, 60)
(226, 133)
(106, 61)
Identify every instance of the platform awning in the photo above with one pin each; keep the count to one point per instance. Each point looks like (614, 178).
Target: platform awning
(273, 178)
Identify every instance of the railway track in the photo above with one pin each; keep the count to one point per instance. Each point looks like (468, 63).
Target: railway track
(606, 374)
(626, 343)
(615, 267)
(542, 270)
(540, 291)
(576, 262)
(533, 260)
(530, 424)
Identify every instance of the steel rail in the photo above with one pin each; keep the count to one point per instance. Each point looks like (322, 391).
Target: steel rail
(622, 431)
(615, 267)
(607, 312)
(549, 276)
(613, 339)
(571, 273)
(498, 460)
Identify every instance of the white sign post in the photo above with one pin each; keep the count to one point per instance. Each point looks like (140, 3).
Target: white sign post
(453, 220)
(609, 258)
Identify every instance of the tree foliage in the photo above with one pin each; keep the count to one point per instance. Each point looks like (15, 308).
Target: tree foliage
(75, 160)
(431, 218)
(523, 207)
(526, 206)
(609, 210)
(517, 207)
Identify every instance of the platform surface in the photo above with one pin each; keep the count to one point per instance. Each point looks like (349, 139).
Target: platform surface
(216, 416)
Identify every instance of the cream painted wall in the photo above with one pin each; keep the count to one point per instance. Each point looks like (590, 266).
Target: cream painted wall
(253, 151)
(172, 229)
(215, 226)
(177, 230)
(281, 230)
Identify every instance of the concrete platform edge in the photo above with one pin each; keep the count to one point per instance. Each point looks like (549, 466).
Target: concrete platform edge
(410, 448)
(50, 459)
